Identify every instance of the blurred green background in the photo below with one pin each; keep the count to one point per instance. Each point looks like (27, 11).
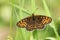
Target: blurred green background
(11, 11)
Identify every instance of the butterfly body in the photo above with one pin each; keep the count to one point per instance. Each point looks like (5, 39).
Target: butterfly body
(34, 22)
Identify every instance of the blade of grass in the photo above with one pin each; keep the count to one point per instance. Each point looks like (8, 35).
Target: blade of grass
(31, 35)
(52, 24)
(46, 8)
(35, 35)
(11, 23)
(20, 8)
(33, 6)
(10, 34)
(16, 14)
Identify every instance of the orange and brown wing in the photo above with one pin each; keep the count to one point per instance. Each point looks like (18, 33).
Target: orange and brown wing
(24, 22)
(21, 24)
(46, 20)
(41, 21)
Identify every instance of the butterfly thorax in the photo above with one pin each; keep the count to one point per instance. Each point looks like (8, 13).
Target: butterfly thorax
(33, 18)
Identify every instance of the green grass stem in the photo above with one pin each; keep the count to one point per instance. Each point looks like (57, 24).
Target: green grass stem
(20, 8)
(49, 14)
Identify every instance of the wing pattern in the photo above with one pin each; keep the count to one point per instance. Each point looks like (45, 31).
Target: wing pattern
(34, 22)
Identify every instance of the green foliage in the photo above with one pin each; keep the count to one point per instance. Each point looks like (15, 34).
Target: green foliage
(25, 8)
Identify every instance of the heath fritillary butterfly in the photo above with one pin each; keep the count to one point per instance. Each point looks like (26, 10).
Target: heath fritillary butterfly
(34, 22)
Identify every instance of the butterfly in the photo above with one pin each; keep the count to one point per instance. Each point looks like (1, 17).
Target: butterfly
(34, 22)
